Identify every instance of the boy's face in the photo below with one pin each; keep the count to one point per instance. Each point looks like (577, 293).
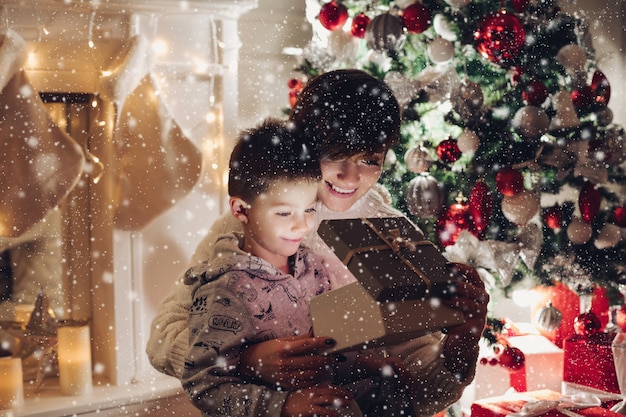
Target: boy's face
(278, 220)
(346, 180)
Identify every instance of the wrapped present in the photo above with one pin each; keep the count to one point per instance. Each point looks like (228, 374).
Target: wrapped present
(400, 276)
(544, 403)
(588, 360)
(543, 369)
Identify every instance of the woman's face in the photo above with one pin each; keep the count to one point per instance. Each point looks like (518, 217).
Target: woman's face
(344, 181)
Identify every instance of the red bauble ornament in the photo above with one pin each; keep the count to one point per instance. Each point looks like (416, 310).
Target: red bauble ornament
(295, 87)
(499, 37)
(589, 201)
(620, 318)
(509, 181)
(586, 324)
(416, 18)
(601, 88)
(480, 208)
(333, 15)
(359, 25)
(535, 93)
(448, 151)
(619, 216)
(553, 217)
(520, 6)
(453, 220)
(583, 97)
(512, 358)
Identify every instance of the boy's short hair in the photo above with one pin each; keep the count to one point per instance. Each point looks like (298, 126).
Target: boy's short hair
(270, 152)
(348, 112)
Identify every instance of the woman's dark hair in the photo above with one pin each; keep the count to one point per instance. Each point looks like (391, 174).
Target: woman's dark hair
(270, 152)
(347, 112)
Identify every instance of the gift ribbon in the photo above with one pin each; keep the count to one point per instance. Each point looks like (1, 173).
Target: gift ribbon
(574, 389)
(565, 404)
(395, 242)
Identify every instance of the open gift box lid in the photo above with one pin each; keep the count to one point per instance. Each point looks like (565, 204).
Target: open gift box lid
(400, 277)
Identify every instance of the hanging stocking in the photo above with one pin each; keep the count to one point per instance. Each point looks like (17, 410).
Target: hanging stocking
(127, 72)
(156, 165)
(39, 162)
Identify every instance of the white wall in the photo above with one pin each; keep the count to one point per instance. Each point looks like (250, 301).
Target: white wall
(263, 69)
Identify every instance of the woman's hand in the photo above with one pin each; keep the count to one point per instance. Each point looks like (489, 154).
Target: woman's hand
(289, 362)
(322, 400)
(471, 298)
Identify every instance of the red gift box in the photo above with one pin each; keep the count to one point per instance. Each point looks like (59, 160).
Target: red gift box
(514, 402)
(588, 361)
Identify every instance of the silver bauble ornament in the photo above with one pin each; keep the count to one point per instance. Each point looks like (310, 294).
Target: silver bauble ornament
(521, 207)
(440, 50)
(385, 32)
(573, 58)
(579, 231)
(549, 318)
(424, 196)
(417, 160)
(609, 236)
(530, 122)
(468, 142)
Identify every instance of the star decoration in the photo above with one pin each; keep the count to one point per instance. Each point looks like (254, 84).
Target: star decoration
(37, 343)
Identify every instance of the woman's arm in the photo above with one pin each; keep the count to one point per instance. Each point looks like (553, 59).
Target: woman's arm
(169, 337)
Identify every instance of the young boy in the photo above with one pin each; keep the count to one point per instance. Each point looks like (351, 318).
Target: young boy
(256, 285)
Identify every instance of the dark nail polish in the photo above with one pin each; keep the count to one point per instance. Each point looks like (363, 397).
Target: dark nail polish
(330, 342)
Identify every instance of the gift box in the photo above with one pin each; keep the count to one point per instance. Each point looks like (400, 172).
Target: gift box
(544, 403)
(400, 277)
(543, 369)
(389, 256)
(588, 361)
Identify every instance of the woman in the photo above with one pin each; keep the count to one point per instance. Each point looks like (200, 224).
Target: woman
(353, 119)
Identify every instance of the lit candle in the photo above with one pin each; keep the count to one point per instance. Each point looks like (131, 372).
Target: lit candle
(74, 352)
(23, 313)
(11, 385)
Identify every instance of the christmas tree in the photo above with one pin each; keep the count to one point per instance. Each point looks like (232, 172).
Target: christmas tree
(509, 157)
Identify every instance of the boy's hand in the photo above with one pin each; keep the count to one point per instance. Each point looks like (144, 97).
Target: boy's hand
(322, 400)
(374, 365)
(289, 362)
